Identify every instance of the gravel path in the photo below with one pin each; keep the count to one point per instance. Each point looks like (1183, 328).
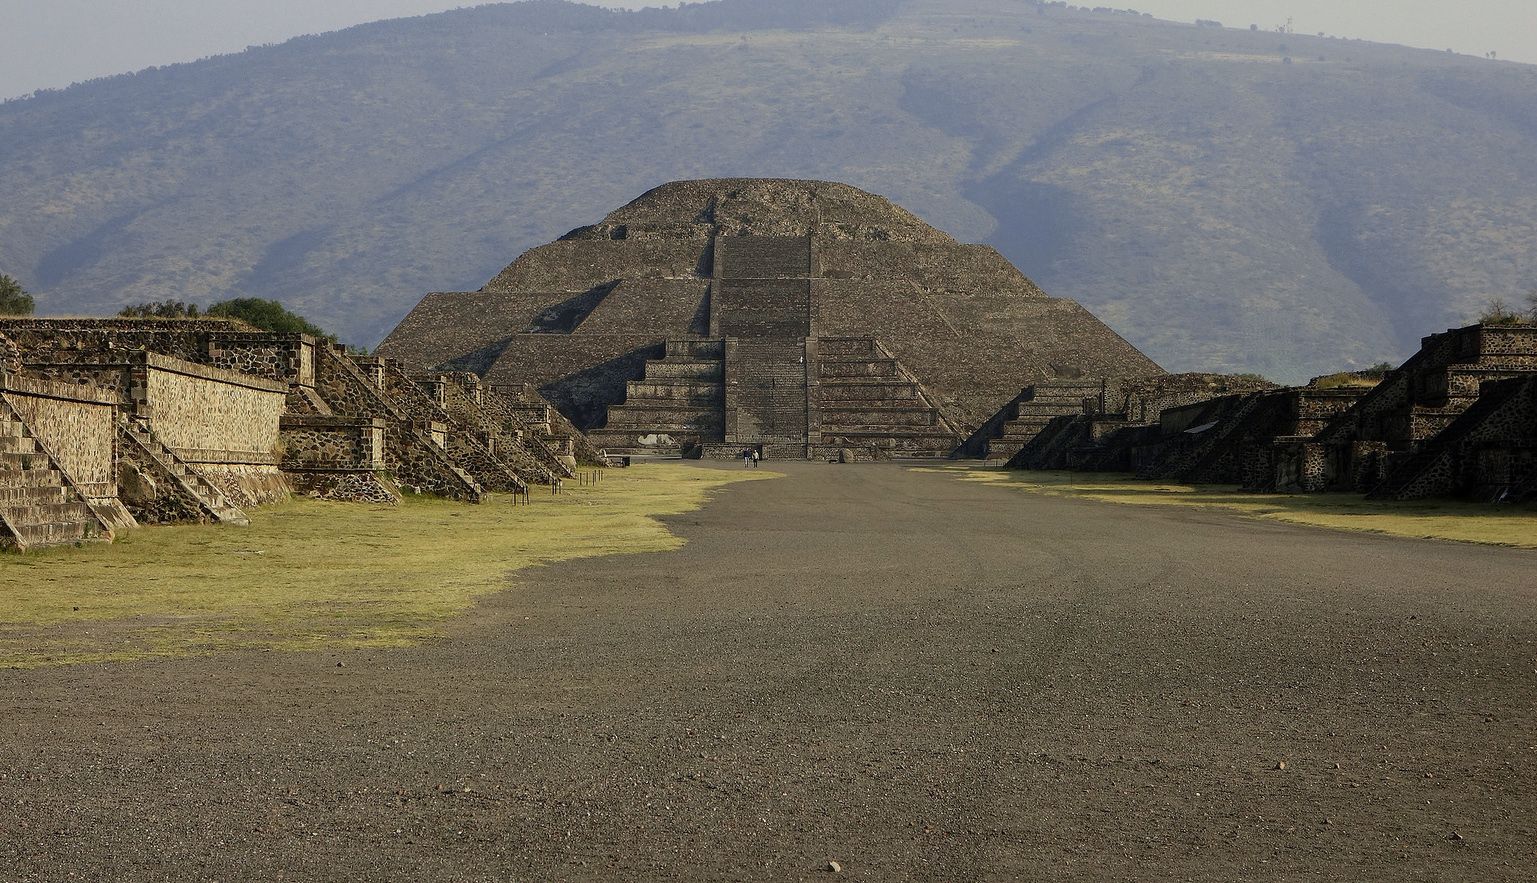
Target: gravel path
(917, 677)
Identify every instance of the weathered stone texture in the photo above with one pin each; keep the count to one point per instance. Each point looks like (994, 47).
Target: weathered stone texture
(41, 503)
(1489, 451)
(75, 424)
(195, 409)
(312, 442)
(288, 358)
(1422, 398)
(347, 487)
(578, 318)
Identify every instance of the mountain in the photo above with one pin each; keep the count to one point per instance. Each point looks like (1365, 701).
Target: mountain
(1225, 199)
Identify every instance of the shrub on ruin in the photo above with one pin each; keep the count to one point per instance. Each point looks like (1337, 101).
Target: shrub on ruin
(268, 315)
(1366, 377)
(160, 309)
(1498, 311)
(14, 300)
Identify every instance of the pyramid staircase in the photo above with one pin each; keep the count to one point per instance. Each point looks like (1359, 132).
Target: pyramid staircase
(215, 506)
(678, 402)
(1430, 469)
(1021, 420)
(542, 422)
(39, 506)
(865, 400)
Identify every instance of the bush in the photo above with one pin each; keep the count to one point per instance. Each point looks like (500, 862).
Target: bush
(160, 309)
(14, 300)
(268, 315)
(1498, 312)
(1345, 380)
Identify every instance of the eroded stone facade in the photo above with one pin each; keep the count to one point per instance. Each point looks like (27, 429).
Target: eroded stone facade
(772, 275)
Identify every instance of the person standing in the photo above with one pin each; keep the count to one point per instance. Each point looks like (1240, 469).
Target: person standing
(746, 457)
(756, 456)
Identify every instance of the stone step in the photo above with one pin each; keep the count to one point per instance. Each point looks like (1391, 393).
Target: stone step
(872, 417)
(862, 390)
(1002, 450)
(701, 350)
(43, 513)
(848, 347)
(940, 439)
(40, 475)
(10, 427)
(1049, 387)
(1049, 409)
(858, 368)
(763, 257)
(702, 390)
(684, 370)
(22, 460)
(1021, 432)
(27, 495)
(35, 535)
(18, 444)
(703, 422)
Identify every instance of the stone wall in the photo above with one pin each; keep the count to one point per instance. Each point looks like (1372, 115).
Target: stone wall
(200, 411)
(319, 443)
(287, 358)
(347, 487)
(223, 423)
(338, 458)
(75, 424)
(90, 339)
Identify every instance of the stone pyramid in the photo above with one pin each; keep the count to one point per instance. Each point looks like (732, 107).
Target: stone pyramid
(795, 316)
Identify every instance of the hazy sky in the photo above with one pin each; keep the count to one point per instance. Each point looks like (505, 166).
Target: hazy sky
(47, 43)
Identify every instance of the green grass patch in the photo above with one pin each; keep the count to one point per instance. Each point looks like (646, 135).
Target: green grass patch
(1437, 519)
(310, 575)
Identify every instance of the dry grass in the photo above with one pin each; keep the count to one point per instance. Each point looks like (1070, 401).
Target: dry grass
(308, 574)
(1439, 519)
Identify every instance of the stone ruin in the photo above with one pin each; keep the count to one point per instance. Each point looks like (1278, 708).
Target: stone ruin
(801, 318)
(106, 424)
(1459, 418)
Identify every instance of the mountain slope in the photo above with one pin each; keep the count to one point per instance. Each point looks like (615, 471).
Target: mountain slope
(1226, 200)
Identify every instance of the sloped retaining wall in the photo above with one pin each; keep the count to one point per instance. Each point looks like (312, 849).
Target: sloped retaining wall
(222, 422)
(77, 425)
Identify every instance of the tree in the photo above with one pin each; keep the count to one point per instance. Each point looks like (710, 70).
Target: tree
(268, 315)
(14, 300)
(1531, 305)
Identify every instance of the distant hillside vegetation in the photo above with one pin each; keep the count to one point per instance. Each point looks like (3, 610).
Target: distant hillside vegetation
(1226, 199)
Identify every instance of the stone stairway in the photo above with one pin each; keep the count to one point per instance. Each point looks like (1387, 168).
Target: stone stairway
(1501, 424)
(768, 392)
(1035, 407)
(866, 401)
(762, 303)
(208, 497)
(545, 421)
(678, 402)
(38, 506)
(763, 257)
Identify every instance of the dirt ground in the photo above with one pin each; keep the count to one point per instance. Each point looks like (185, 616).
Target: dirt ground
(918, 677)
